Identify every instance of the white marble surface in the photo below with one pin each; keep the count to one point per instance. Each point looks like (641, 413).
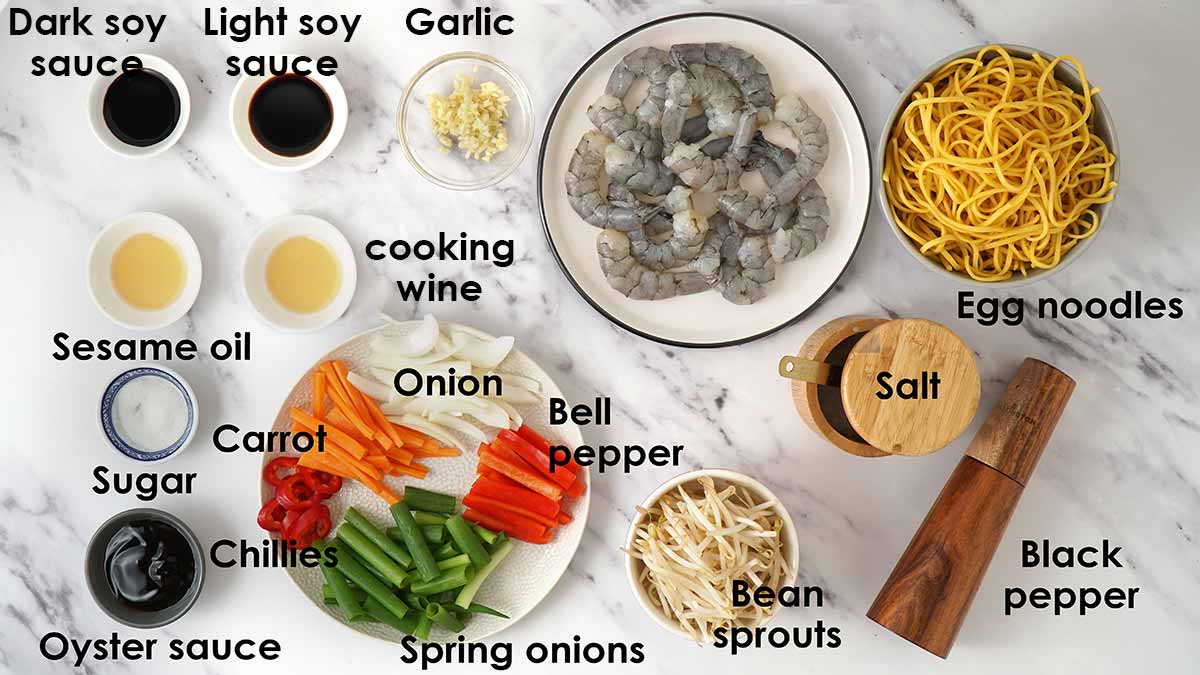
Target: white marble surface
(1123, 464)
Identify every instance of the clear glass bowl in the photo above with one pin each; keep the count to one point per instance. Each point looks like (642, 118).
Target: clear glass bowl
(452, 169)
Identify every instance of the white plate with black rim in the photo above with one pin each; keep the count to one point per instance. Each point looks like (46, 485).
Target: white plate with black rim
(706, 319)
(526, 576)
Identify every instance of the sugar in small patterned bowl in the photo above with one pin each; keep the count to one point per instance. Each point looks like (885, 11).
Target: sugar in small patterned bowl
(148, 413)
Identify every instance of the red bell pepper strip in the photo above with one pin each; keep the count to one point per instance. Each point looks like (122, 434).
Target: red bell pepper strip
(271, 516)
(564, 518)
(528, 531)
(535, 439)
(277, 469)
(577, 489)
(534, 457)
(503, 509)
(313, 524)
(522, 475)
(517, 496)
(494, 475)
(298, 491)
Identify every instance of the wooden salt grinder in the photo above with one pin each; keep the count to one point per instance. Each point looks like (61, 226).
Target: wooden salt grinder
(834, 385)
(928, 594)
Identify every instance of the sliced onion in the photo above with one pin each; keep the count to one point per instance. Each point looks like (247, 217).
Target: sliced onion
(384, 356)
(416, 342)
(376, 390)
(428, 428)
(514, 418)
(485, 353)
(484, 410)
(460, 425)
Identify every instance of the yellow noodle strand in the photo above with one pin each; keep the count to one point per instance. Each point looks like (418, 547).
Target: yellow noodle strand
(993, 170)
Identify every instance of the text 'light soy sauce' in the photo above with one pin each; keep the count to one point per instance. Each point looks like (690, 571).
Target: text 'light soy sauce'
(290, 115)
(141, 107)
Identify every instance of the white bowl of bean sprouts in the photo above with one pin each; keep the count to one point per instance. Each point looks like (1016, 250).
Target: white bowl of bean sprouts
(754, 525)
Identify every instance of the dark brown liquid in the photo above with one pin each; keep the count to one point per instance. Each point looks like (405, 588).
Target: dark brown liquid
(149, 565)
(290, 115)
(141, 107)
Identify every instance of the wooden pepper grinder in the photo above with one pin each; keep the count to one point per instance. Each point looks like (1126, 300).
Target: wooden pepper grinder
(931, 588)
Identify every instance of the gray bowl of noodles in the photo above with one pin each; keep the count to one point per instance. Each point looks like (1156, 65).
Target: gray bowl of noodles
(1014, 236)
(677, 551)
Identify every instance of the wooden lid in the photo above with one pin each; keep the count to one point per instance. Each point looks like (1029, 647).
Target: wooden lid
(809, 396)
(923, 358)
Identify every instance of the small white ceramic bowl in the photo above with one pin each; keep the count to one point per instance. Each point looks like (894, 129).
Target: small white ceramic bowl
(722, 477)
(96, 110)
(239, 121)
(254, 272)
(111, 424)
(99, 270)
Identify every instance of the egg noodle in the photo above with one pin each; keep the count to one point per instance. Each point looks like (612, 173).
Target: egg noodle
(993, 169)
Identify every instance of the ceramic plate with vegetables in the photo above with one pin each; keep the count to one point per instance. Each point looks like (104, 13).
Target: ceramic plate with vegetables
(447, 516)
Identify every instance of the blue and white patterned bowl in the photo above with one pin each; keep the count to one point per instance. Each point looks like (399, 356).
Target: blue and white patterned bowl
(110, 427)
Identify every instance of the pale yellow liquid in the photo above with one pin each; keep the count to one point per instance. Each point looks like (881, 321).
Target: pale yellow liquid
(303, 275)
(148, 272)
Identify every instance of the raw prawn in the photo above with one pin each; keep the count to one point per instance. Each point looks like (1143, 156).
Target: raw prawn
(651, 63)
(583, 188)
(635, 280)
(746, 268)
(609, 115)
(813, 147)
(686, 225)
(637, 171)
(687, 234)
(717, 95)
(746, 71)
(707, 174)
(807, 228)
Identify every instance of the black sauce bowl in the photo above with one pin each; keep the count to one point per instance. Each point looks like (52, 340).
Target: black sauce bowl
(97, 581)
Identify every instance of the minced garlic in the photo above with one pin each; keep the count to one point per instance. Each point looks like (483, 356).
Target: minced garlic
(473, 117)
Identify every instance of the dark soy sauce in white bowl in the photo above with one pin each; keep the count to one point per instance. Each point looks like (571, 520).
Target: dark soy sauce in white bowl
(141, 107)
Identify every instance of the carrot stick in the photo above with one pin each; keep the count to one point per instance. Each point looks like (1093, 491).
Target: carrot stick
(496, 507)
(318, 394)
(517, 496)
(399, 455)
(440, 451)
(414, 470)
(378, 461)
(350, 460)
(409, 436)
(331, 433)
(341, 399)
(338, 419)
(522, 475)
(388, 496)
(381, 422)
(356, 398)
(527, 531)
